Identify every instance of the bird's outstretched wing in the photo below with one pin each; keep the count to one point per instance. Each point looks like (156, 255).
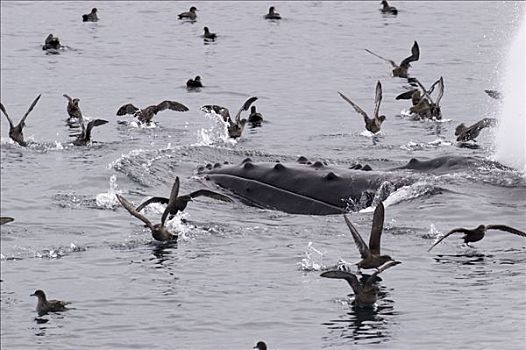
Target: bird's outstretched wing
(507, 229)
(222, 111)
(440, 90)
(380, 57)
(147, 202)
(174, 106)
(415, 56)
(171, 202)
(5, 220)
(92, 124)
(377, 99)
(376, 230)
(245, 107)
(384, 267)
(131, 209)
(494, 94)
(2, 108)
(461, 230)
(356, 107)
(68, 98)
(22, 121)
(344, 275)
(127, 109)
(358, 240)
(406, 95)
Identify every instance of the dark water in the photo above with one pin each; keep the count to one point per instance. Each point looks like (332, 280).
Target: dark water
(241, 274)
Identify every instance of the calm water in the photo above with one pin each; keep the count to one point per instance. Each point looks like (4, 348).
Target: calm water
(240, 274)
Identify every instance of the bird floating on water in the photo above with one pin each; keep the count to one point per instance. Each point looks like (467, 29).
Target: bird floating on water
(44, 306)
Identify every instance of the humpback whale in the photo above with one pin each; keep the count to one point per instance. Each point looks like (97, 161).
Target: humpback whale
(44, 306)
(310, 188)
(365, 294)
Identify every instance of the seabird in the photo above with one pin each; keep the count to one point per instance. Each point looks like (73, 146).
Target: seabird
(73, 108)
(91, 17)
(235, 128)
(85, 135)
(191, 15)
(388, 9)
(145, 115)
(15, 132)
(478, 233)
(159, 232)
(371, 124)
(260, 346)
(51, 43)
(497, 95)
(365, 295)
(472, 132)
(194, 83)
(371, 257)
(272, 14)
(209, 36)
(178, 203)
(255, 117)
(44, 306)
(401, 70)
(423, 105)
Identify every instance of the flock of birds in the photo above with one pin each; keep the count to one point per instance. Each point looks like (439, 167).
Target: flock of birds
(365, 290)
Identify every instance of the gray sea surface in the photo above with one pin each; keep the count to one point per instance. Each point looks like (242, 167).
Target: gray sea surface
(240, 274)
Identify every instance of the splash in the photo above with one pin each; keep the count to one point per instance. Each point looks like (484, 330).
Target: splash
(511, 132)
(108, 200)
(217, 133)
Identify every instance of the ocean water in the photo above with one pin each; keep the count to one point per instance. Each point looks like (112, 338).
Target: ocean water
(240, 274)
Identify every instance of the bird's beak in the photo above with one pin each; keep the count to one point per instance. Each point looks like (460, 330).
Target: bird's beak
(32, 295)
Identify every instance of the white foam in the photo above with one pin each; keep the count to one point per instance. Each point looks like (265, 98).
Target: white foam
(108, 200)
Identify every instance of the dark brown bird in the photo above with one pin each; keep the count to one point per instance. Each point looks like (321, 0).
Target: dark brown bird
(401, 70)
(191, 15)
(91, 17)
(388, 9)
(260, 346)
(85, 136)
(15, 132)
(5, 220)
(159, 232)
(365, 295)
(178, 203)
(255, 117)
(51, 43)
(272, 14)
(73, 107)
(236, 127)
(207, 35)
(44, 306)
(194, 83)
(423, 105)
(478, 233)
(472, 132)
(371, 258)
(371, 124)
(494, 94)
(146, 115)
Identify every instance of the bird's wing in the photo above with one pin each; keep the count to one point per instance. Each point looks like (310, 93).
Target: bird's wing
(222, 111)
(424, 90)
(356, 107)
(384, 267)
(147, 202)
(461, 230)
(245, 107)
(494, 94)
(406, 95)
(507, 229)
(48, 39)
(377, 228)
(377, 99)
(210, 194)
(171, 202)
(5, 220)
(131, 209)
(2, 108)
(415, 55)
(174, 106)
(380, 57)
(92, 124)
(358, 240)
(29, 110)
(67, 96)
(349, 277)
(127, 109)
(440, 90)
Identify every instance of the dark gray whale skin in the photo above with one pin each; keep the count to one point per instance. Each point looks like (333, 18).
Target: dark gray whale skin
(312, 189)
